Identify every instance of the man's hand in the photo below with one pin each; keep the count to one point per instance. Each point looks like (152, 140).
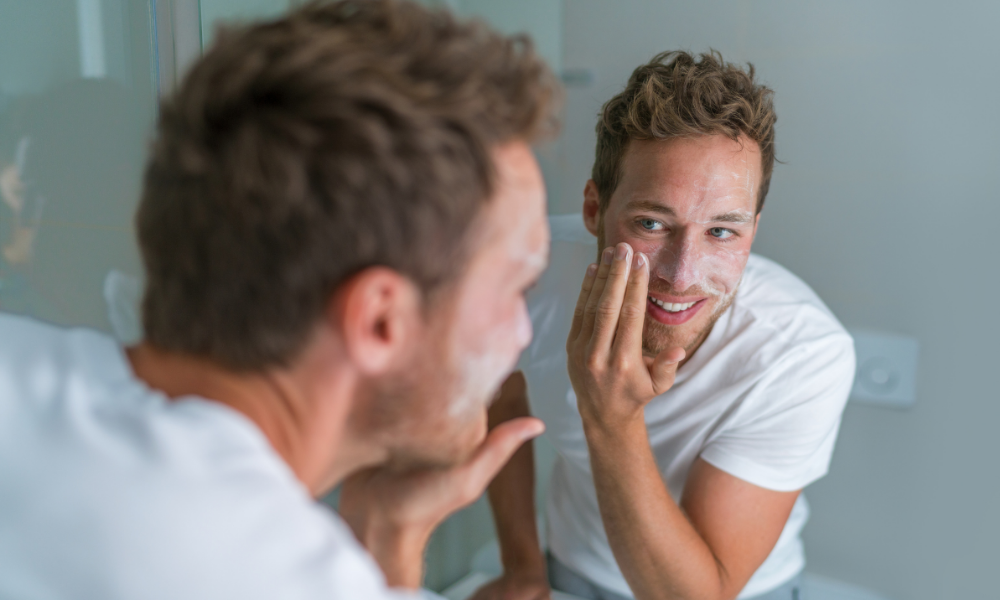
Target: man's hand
(393, 513)
(612, 379)
(515, 586)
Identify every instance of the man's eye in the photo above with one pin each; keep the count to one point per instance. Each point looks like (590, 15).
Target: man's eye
(720, 233)
(650, 224)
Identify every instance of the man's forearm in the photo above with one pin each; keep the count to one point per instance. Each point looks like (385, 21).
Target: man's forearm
(512, 492)
(512, 498)
(660, 553)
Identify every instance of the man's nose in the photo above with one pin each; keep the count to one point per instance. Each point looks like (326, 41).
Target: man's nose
(678, 262)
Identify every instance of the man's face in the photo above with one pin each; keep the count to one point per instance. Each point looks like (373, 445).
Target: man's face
(689, 205)
(479, 327)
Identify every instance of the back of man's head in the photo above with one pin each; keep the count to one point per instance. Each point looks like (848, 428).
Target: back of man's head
(301, 151)
(676, 96)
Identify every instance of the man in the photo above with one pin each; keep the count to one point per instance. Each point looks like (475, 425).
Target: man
(339, 220)
(704, 385)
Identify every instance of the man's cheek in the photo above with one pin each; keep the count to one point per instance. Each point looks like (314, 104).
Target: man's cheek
(728, 279)
(725, 268)
(510, 341)
(645, 246)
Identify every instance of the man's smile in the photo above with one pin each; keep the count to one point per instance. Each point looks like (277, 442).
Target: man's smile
(673, 313)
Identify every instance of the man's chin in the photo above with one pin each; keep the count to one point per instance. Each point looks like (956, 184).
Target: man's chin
(442, 450)
(658, 337)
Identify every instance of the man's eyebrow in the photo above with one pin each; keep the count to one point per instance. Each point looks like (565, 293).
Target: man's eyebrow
(735, 216)
(648, 206)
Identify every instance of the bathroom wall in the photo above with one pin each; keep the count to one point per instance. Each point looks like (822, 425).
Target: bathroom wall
(885, 205)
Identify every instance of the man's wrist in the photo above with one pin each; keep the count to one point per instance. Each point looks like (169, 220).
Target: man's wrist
(399, 552)
(612, 426)
(525, 563)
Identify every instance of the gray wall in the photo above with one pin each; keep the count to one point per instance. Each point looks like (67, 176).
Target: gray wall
(888, 125)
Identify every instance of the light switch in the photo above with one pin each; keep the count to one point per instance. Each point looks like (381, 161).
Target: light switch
(887, 369)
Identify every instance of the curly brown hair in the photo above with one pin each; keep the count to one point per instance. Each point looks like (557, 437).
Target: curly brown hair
(300, 151)
(674, 95)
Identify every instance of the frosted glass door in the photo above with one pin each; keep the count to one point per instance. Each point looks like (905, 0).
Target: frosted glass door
(77, 97)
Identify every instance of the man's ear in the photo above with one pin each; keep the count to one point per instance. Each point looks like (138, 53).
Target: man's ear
(756, 223)
(378, 313)
(591, 207)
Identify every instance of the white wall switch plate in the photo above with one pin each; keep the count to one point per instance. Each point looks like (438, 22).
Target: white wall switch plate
(887, 369)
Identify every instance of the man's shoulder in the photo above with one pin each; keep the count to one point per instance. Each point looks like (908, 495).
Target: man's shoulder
(22, 336)
(552, 301)
(40, 363)
(193, 541)
(777, 317)
(184, 494)
(255, 532)
(778, 299)
(25, 339)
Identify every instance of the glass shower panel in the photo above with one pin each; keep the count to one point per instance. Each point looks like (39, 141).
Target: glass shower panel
(77, 98)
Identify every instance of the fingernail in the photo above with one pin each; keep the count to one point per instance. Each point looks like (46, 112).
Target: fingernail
(592, 270)
(609, 252)
(537, 430)
(621, 252)
(639, 260)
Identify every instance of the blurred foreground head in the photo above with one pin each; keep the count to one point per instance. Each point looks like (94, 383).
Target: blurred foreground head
(358, 169)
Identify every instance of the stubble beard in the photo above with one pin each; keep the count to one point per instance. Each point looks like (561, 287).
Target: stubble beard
(424, 414)
(657, 337)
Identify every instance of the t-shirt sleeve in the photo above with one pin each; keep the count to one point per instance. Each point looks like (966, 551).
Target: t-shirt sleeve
(783, 434)
(308, 553)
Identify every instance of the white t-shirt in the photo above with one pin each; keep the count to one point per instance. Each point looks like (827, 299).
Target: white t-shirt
(108, 490)
(761, 399)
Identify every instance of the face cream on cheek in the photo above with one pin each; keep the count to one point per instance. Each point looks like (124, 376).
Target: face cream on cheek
(479, 376)
(482, 358)
(727, 269)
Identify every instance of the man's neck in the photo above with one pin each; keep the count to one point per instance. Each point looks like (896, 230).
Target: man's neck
(301, 411)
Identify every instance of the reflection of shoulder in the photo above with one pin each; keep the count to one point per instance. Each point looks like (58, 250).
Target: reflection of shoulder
(775, 295)
(573, 248)
(778, 314)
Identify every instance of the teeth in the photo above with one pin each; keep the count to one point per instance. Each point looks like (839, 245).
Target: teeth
(670, 307)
